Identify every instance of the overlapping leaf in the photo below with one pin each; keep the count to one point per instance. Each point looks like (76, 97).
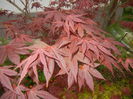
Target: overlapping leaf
(37, 92)
(17, 93)
(44, 55)
(22, 38)
(12, 51)
(36, 25)
(85, 76)
(5, 74)
(128, 63)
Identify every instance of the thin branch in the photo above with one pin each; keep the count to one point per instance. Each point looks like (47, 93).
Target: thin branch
(21, 10)
(22, 2)
(127, 47)
(26, 6)
(123, 36)
(112, 11)
(15, 5)
(129, 16)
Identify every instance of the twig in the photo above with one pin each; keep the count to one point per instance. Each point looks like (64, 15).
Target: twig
(123, 36)
(22, 2)
(15, 5)
(21, 10)
(26, 6)
(112, 11)
(127, 47)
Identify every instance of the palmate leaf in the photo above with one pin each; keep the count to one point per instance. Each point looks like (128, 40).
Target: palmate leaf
(17, 94)
(52, 14)
(36, 5)
(22, 38)
(37, 93)
(109, 64)
(128, 63)
(72, 66)
(5, 74)
(21, 92)
(12, 51)
(97, 51)
(11, 29)
(70, 21)
(85, 75)
(45, 56)
(87, 51)
(36, 25)
(80, 74)
(33, 71)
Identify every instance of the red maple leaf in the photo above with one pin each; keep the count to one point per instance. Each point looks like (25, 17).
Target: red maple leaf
(38, 92)
(5, 74)
(128, 63)
(12, 51)
(36, 5)
(46, 56)
(36, 25)
(17, 93)
(22, 38)
(85, 75)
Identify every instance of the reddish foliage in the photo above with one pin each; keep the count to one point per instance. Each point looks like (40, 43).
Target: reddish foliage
(101, 88)
(36, 5)
(4, 79)
(115, 97)
(126, 91)
(77, 47)
(15, 94)
(37, 92)
(34, 93)
(12, 51)
(127, 3)
(127, 64)
(5, 12)
(127, 24)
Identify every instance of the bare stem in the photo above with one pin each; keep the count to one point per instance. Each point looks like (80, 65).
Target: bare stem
(25, 11)
(123, 37)
(15, 5)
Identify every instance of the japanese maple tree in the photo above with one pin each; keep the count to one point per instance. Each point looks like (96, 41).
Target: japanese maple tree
(64, 35)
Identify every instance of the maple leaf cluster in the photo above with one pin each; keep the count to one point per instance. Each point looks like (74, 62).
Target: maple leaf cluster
(127, 24)
(36, 5)
(5, 12)
(78, 47)
(78, 4)
(127, 3)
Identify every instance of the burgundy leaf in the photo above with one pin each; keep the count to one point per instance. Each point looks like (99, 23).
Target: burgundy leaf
(17, 94)
(37, 93)
(95, 73)
(12, 51)
(4, 77)
(128, 62)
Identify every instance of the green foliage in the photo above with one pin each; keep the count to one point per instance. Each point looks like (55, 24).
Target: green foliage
(128, 11)
(7, 62)
(122, 34)
(108, 90)
(28, 82)
(41, 76)
(3, 41)
(104, 90)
